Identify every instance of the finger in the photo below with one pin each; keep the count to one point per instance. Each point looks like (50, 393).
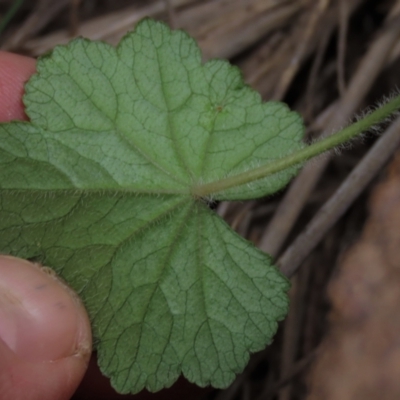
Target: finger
(15, 70)
(45, 338)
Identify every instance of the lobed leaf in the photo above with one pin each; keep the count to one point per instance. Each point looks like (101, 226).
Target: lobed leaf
(98, 185)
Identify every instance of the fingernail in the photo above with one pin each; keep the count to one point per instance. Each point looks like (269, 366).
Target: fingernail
(39, 318)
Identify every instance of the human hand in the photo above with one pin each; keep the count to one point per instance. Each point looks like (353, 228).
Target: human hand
(45, 336)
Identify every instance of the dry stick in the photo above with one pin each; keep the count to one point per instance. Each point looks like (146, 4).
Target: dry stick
(204, 17)
(341, 44)
(172, 18)
(396, 50)
(231, 392)
(220, 17)
(315, 68)
(298, 56)
(270, 71)
(337, 205)
(329, 24)
(292, 329)
(103, 27)
(74, 17)
(227, 41)
(45, 12)
(297, 368)
(287, 46)
(299, 191)
(395, 10)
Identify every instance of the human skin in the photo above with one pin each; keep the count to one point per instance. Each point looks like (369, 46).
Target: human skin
(45, 335)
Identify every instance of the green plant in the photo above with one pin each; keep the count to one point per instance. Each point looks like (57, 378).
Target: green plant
(110, 184)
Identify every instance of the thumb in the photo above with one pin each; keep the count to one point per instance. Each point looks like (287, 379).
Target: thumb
(45, 338)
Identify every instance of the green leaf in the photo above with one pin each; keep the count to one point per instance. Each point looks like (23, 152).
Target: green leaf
(100, 185)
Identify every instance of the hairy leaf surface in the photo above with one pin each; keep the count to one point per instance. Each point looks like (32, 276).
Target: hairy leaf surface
(99, 186)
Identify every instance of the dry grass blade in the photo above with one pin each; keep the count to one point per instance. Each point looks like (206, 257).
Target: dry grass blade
(45, 12)
(110, 27)
(242, 27)
(293, 329)
(368, 167)
(295, 62)
(297, 368)
(342, 37)
(298, 193)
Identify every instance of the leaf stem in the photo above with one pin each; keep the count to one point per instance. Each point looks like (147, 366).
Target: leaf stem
(299, 157)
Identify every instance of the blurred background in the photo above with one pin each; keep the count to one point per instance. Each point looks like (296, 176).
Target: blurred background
(336, 229)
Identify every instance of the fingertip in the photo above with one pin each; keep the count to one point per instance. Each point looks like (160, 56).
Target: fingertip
(46, 329)
(15, 71)
(26, 380)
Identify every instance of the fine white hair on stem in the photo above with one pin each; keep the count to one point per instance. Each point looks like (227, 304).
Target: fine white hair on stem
(375, 129)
